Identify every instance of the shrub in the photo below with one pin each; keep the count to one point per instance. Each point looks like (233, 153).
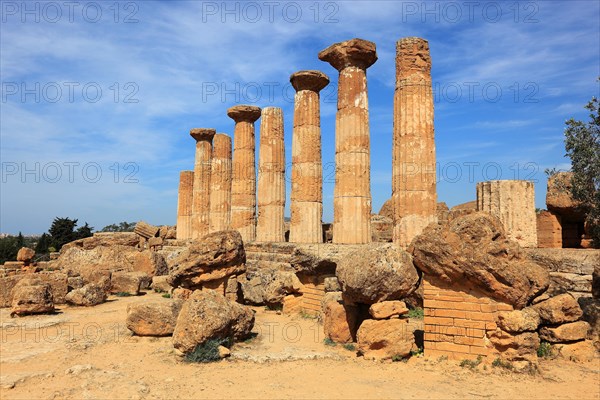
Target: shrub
(207, 351)
(471, 363)
(398, 357)
(545, 350)
(306, 315)
(166, 295)
(502, 364)
(349, 346)
(329, 342)
(416, 313)
(417, 353)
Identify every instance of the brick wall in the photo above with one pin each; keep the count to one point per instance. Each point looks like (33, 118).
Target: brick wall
(456, 320)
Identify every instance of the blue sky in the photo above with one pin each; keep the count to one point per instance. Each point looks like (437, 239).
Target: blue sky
(108, 88)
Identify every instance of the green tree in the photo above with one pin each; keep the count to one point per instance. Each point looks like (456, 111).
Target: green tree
(43, 244)
(8, 249)
(20, 241)
(582, 143)
(84, 231)
(62, 231)
(121, 227)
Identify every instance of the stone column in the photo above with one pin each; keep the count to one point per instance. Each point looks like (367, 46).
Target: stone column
(220, 184)
(307, 169)
(271, 177)
(352, 194)
(414, 169)
(513, 203)
(185, 200)
(243, 185)
(201, 200)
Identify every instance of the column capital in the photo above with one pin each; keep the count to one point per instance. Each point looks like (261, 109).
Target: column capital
(312, 80)
(351, 53)
(244, 113)
(206, 134)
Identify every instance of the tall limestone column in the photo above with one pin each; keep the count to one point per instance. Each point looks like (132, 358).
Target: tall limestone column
(352, 194)
(307, 168)
(513, 202)
(185, 200)
(243, 185)
(414, 165)
(220, 184)
(270, 226)
(201, 200)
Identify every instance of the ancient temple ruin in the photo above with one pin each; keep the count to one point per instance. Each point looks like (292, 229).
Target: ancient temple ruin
(490, 277)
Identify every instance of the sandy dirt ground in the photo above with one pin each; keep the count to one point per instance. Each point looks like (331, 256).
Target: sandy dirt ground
(87, 353)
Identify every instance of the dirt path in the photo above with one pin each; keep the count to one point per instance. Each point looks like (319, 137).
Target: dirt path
(87, 353)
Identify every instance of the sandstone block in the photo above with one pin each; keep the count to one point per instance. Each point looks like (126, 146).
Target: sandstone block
(388, 309)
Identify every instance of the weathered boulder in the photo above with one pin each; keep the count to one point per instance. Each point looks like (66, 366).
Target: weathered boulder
(574, 261)
(377, 273)
(474, 248)
(339, 321)
(570, 332)
(268, 285)
(583, 351)
(559, 309)
(89, 295)
(32, 299)
(382, 229)
(387, 209)
(7, 284)
(103, 239)
(331, 284)
(181, 293)
(126, 282)
(146, 230)
(314, 261)
(571, 270)
(470, 205)
(75, 282)
(57, 281)
(387, 309)
(209, 315)
(157, 318)
(520, 349)
(384, 339)
(215, 256)
(518, 321)
(25, 254)
(161, 284)
(99, 261)
(559, 197)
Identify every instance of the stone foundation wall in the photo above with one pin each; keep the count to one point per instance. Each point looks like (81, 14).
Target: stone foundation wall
(457, 321)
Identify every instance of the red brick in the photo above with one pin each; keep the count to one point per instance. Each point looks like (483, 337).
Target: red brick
(484, 351)
(458, 348)
(476, 333)
(504, 307)
(491, 325)
(469, 340)
(479, 316)
(450, 313)
(469, 323)
(438, 321)
(489, 308)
